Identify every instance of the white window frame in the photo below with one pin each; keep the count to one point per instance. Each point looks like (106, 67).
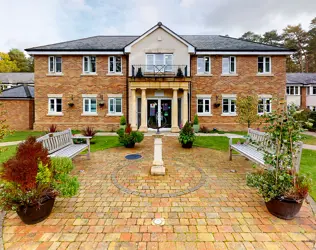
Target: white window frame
(114, 112)
(203, 72)
(312, 90)
(89, 65)
(55, 105)
(114, 65)
(89, 111)
(204, 98)
(54, 65)
(288, 90)
(264, 65)
(230, 70)
(154, 61)
(264, 105)
(230, 99)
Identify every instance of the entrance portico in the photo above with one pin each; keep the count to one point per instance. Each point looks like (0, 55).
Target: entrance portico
(158, 101)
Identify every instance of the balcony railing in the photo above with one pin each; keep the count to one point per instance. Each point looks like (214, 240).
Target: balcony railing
(159, 70)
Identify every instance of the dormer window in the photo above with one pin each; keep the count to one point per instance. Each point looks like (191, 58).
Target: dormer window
(54, 64)
(89, 64)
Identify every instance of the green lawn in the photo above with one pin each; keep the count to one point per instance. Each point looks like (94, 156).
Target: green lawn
(214, 142)
(104, 142)
(21, 135)
(309, 139)
(308, 166)
(6, 153)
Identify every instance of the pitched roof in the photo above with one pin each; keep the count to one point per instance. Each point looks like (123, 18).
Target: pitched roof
(18, 92)
(17, 78)
(301, 78)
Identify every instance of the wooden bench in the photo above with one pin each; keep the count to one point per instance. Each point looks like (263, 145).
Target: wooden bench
(257, 144)
(60, 144)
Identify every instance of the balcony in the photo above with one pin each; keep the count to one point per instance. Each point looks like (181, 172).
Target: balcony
(159, 71)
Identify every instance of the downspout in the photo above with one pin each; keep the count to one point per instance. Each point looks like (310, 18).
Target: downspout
(127, 100)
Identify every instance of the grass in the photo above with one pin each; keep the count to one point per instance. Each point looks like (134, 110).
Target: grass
(21, 135)
(214, 142)
(309, 139)
(104, 142)
(308, 166)
(6, 153)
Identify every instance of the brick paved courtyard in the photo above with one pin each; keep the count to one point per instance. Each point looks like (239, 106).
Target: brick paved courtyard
(204, 204)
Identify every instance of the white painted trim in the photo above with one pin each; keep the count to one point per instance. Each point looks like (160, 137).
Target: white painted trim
(114, 66)
(265, 73)
(115, 95)
(229, 95)
(55, 114)
(264, 96)
(114, 114)
(203, 96)
(89, 114)
(209, 68)
(75, 52)
(202, 114)
(229, 74)
(89, 72)
(244, 53)
(89, 95)
(230, 98)
(55, 95)
(128, 48)
(55, 74)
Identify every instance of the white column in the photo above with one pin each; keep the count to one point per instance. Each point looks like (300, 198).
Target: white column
(174, 111)
(157, 167)
(143, 125)
(184, 107)
(133, 109)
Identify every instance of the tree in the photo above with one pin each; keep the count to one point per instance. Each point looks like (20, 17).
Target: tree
(311, 47)
(272, 38)
(19, 58)
(247, 109)
(250, 36)
(6, 64)
(31, 63)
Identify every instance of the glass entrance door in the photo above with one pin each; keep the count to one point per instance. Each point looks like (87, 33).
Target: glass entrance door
(159, 113)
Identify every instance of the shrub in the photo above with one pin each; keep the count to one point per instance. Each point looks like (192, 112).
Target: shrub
(52, 128)
(304, 116)
(139, 73)
(186, 134)
(61, 165)
(204, 129)
(180, 73)
(123, 120)
(89, 131)
(127, 136)
(196, 120)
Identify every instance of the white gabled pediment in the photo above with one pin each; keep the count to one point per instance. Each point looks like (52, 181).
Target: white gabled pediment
(191, 48)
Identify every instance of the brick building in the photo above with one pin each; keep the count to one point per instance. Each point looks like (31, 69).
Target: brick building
(158, 77)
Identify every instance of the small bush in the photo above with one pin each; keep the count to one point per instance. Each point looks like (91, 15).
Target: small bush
(186, 134)
(62, 165)
(123, 120)
(89, 131)
(196, 120)
(128, 136)
(52, 128)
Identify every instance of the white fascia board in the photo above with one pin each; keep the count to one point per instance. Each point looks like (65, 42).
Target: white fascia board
(245, 53)
(75, 52)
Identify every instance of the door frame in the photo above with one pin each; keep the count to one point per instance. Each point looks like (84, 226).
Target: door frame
(159, 104)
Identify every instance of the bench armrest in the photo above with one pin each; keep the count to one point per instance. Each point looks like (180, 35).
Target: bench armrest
(81, 137)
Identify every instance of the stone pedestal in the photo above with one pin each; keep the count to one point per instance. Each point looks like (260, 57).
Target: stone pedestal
(158, 168)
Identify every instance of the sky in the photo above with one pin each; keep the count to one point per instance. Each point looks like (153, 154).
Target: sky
(30, 23)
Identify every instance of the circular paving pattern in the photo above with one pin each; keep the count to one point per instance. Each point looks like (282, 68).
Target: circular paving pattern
(133, 156)
(179, 180)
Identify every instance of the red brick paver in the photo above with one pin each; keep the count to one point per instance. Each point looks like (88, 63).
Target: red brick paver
(222, 214)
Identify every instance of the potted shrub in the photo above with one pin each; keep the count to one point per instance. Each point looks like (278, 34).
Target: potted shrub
(139, 72)
(89, 131)
(281, 186)
(180, 73)
(123, 122)
(128, 137)
(30, 182)
(196, 125)
(186, 136)
(52, 129)
(101, 103)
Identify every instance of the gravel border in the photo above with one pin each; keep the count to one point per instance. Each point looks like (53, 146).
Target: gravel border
(2, 214)
(161, 195)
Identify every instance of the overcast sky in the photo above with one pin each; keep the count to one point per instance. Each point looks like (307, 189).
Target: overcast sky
(28, 23)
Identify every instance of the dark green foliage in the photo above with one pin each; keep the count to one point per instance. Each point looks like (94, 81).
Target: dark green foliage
(128, 137)
(186, 134)
(196, 119)
(304, 116)
(122, 120)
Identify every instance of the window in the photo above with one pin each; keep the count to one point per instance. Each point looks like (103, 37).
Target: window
(229, 105)
(204, 106)
(54, 64)
(229, 65)
(312, 108)
(293, 90)
(264, 64)
(159, 62)
(115, 64)
(264, 105)
(54, 105)
(313, 90)
(89, 64)
(203, 65)
(115, 105)
(90, 105)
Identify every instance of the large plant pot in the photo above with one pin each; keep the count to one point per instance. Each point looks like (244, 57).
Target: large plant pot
(187, 145)
(33, 214)
(130, 145)
(284, 208)
(196, 128)
(123, 127)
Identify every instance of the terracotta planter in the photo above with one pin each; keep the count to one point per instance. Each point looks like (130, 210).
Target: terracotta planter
(33, 214)
(130, 145)
(187, 145)
(284, 208)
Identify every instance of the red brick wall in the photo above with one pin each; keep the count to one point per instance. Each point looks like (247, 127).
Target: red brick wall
(247, 82)
(73, 84)
(303, 97)
(18, 113)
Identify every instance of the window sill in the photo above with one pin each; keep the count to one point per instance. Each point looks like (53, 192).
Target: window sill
(201, 114)
(264, 113)
(54, 74)
(114, 114)
(229, 114)
(55, 114)
(200, 74)
(114, 74)
(89, 74)
(229, 75)
(89, 114)
(265, 74)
